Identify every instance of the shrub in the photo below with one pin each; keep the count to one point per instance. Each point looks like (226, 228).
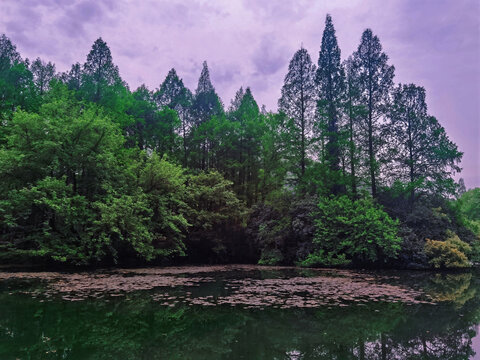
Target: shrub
(271, 257)
(451, 253)
(321, 258)
(358, 229)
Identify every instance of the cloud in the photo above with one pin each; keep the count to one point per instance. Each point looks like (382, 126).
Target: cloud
(270, 56)
(76, 18)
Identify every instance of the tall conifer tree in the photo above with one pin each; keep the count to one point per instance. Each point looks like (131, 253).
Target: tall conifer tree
(330, 79)
(298, 103)
(99, 69)
(375, 80)
(206, 104)
(422, 154)
(173, 94)
(43, 73)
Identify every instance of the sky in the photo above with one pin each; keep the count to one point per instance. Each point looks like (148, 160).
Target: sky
(432, 43)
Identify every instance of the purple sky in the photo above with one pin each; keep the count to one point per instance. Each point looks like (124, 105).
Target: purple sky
(433, 43)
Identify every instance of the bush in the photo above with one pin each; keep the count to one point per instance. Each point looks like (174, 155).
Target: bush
(321, 258)
(358, 229)
(284, 227)
(451, 253)
(216, 216)
(271, 257)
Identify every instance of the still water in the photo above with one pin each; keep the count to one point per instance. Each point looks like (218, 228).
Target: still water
(239, 312)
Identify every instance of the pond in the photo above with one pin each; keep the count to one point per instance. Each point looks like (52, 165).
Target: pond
(239, 312)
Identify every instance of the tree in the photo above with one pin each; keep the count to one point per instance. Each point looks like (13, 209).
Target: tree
(43, 73)
(16, 81)
(8, 52)
(236, 101)
(353, 111)
(330, 79)
(249, 129)
(462, 189)
(206, 104)
(55, 167)
(73, 78)
(166, 194)
(215, 213)
(99, 70)
(421, 151)
(275, 155)
(375, 79)
(174, 95)
(298, 103)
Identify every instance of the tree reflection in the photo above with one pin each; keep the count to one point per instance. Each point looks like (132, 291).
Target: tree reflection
(135, 327)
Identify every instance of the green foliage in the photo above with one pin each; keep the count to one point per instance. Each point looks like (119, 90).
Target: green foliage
(321, 258)
(90, 171)
(469, 207)
(357, 228)
(271, 257)
(214, 212)
(52, 221)
(470, 204)
(74, 194)
(164, 185)
(451, 253)
(281, 230)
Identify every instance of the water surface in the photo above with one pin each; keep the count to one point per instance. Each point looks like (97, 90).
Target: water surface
(239, 312)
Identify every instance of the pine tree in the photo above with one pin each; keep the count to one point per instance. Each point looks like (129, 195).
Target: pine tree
(174, 95)
(353, 112)
(250, 126)
(73, 78)
(298, 103)
(9, 55)
(206, 104)
(422, 155)
(236, 101)
(375, 80)
(99, 70)
(43, 73)
(330, 80)
(16, 81)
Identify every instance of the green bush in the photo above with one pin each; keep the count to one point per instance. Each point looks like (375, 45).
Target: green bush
(321, 258)
(358, 229)
(451, 253)
(271, 257)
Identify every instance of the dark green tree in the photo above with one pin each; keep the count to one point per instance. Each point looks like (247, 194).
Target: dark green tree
(99, 70)
(174, 95)
(330, 81)
(422, 154)
(16, 81)
(206, 104)
(43, 73)
(353, 111)
(73, 78)
(236, 101)
(249, 127)
(375, 79)
(298, 103)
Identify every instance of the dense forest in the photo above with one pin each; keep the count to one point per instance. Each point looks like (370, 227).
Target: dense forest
(352, 170)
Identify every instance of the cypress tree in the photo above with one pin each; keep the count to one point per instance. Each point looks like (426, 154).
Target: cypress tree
(375, 80)
(330, 79)
(298, 103)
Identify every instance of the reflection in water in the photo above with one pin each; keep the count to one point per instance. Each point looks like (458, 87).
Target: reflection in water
(136, 326)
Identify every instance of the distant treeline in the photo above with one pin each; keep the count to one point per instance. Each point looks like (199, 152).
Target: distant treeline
(351, 171)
